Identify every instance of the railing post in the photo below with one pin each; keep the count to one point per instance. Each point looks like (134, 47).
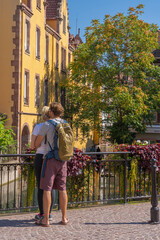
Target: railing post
(125, 179)
(154, 198)
(1, 168)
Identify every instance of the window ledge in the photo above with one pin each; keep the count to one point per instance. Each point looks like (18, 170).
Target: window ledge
(37, 58)
(26, 104)
(27, 52)
(38, 8)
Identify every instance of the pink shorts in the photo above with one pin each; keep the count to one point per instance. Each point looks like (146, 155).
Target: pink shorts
(55, 175)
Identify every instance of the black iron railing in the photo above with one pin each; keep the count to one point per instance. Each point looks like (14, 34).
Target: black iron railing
(114, 178)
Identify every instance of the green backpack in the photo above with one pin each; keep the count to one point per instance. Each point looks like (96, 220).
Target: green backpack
(63, 142)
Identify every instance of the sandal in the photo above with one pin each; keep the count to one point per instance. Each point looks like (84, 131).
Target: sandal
(40, 223)
(64, 223)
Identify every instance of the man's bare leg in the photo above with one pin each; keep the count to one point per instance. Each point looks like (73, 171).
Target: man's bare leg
(46, 206)
(63, 199)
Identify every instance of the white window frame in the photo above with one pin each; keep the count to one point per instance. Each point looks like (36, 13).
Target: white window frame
(38, 34)
(27, 36)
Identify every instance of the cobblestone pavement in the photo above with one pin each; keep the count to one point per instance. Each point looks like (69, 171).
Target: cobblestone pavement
(122, 222)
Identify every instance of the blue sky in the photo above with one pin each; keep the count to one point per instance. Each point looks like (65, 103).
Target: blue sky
(81, 12)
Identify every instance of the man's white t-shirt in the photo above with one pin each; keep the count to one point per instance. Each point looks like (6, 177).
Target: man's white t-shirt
(42, 148)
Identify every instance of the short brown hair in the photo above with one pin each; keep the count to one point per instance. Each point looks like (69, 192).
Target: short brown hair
(57, 109)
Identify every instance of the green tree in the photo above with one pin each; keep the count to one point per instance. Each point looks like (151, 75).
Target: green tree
(6, 138)
(114, 76)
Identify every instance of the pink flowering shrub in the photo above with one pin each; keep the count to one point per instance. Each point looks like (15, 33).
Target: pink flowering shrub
(78, 186)
(143, 153)
(29, 159)
(76, 164)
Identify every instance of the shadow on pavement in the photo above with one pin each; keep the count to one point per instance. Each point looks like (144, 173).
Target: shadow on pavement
(21, 223)
(17, 223)
(117, 223)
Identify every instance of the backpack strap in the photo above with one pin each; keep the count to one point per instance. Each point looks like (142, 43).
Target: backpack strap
(55, 124)
(45, 139)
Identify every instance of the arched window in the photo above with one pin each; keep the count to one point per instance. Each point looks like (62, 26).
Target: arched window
(25, 137)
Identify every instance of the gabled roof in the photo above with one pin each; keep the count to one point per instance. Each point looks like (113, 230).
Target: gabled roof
(75, 41)
(78, 39)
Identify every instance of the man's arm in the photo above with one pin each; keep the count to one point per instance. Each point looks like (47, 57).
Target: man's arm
(33, 139)
(38, 141)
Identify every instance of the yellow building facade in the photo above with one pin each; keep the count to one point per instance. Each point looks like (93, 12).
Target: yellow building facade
(36, 48)
(35, 54)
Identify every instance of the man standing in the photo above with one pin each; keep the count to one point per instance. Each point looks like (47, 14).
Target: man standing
(55, 170)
